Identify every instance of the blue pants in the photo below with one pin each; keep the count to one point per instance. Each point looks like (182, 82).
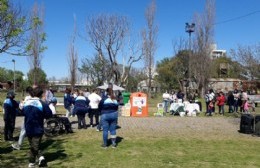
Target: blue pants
(109, 123)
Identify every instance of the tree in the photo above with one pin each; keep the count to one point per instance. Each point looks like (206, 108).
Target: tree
(172, 71)
(8, 75)
(41, 77)
(248, 57)
(204, 34)
(73, 58)
(93, 68)
(107, 34)
(149, 41)
(234, 69)
(13, 28)
(35, 47)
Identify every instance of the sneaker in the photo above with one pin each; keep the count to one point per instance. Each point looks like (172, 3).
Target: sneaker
(113, 145)
(16, 146)
(42, 162)
(104, 146)
(31, 165)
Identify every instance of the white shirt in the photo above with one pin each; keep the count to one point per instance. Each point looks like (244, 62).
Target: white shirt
(94, 100)
(166, 96)
(52, 107)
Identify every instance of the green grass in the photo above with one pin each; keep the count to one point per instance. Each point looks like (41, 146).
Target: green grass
(82, 149)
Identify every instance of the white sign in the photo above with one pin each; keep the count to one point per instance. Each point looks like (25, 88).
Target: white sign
(139, 102)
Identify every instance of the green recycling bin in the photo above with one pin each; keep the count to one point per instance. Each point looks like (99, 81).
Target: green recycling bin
(126, 97)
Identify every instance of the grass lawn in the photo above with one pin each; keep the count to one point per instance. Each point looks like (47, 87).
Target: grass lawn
(82, 149)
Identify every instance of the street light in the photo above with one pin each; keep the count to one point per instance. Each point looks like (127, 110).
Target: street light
(189, 28)
(14, 73)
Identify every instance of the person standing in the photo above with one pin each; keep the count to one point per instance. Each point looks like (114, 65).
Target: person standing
(109, 117)
(94, 99)
(230, 102)
(236, 100)
(81, 107)
(48, 95)
(10, 107)
(166, 100)
(22, 135)
(221, 102)
(35, 111)
(68, 102)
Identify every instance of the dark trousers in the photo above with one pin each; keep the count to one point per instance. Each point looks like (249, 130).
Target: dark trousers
(65, 121)
(9, 129)
(81, 120)
(94, 113)
(34, 142)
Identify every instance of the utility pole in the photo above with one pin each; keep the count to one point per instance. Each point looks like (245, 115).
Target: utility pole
(14, 73)
(189, 28)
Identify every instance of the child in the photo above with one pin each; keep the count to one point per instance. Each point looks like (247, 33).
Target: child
(246, 107)
(210, 108)
(10, 107)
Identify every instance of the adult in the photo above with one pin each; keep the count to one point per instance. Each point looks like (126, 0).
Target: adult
(166, 100)
(10, 107)
(35, 111)
(180, 96)
(81, 107)
(68, 99)
(64, 120)
(22, 135)
(48, 95)
(109, 117)
(94, 100)
(236, 100)
(230, 102)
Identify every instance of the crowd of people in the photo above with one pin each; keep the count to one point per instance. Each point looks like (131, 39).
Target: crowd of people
(39, 105)
(237, 101)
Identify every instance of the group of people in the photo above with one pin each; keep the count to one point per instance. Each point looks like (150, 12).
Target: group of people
(38, 106)
(236, 100)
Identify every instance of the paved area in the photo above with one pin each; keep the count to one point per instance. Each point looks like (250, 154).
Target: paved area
(185, 127)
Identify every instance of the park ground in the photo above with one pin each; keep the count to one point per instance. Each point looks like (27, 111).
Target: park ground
(169, 141)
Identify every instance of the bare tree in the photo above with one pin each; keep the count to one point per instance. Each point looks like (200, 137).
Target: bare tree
(73, 58)
(248, 57)
(204, 34)
(134, 54)
(107, 34)
(149, 41)
(37, 37)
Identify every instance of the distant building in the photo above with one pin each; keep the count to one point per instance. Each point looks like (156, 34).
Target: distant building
(215, 53)
(143, 86)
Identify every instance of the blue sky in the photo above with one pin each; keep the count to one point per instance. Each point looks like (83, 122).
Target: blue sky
(171, 17)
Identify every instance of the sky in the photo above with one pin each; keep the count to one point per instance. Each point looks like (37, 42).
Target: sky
(237, 24)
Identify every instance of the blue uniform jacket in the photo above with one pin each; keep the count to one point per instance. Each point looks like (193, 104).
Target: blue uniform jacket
(68, 100)
(10, 107)
(35, 111)
(107, 105)
(81, 105)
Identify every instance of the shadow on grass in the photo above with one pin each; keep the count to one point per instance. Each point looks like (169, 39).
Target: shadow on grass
(118, 140)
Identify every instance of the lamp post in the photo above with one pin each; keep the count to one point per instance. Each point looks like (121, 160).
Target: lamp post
(14, 73)
(189, 28)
